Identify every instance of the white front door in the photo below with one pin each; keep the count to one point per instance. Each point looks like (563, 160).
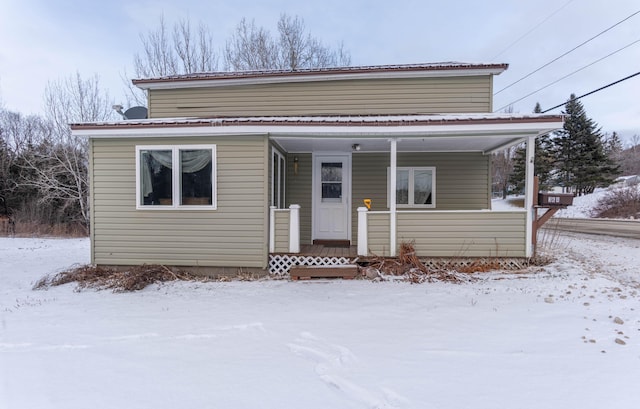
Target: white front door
(331, 197)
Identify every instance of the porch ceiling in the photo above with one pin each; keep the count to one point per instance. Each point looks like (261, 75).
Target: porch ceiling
(419, 143)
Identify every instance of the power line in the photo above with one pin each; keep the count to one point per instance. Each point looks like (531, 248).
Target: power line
(530, 31)
(568, 52)
(568, 75)
(592, 92)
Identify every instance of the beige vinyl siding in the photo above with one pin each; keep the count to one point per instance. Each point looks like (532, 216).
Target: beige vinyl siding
(299, 191)
(234, 235)
(462, 180)
(464, 234)
(346, 97)
(378, 233)
(282, 219)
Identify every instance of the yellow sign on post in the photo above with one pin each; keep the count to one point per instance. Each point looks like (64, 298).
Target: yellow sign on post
(367, 202)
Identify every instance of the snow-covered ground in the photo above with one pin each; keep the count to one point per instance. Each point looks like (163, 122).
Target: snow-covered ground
(582, 205)
(541, 339)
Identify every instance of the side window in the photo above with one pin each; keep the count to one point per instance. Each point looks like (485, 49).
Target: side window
(278, 171)
(176, 176)
(415, 187)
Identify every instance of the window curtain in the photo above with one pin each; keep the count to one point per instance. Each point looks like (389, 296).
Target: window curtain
(422, 187)
(192, 161)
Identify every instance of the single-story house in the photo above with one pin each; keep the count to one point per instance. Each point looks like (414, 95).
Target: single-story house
(232, 168)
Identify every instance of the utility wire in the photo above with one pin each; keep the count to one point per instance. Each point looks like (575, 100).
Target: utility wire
(592, 92)
(568, 52)
(530, 31)
(568, 75)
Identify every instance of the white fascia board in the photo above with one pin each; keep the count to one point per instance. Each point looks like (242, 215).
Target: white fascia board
(498, 130)
(195, 83)
(167, 132)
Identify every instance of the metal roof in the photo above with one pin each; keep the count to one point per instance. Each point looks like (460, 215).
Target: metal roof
(340, 120)
(309, 73)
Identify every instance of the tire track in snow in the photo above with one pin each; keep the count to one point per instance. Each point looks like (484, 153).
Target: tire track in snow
(216, 332)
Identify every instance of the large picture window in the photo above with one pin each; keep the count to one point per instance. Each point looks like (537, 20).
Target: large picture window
(415, 187)
(176, 176)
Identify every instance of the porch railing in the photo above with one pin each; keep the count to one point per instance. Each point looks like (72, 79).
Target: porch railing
(437, 233)
(284, 229)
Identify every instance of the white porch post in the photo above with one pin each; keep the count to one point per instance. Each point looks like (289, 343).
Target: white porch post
(272, 229)
(294, 228)
(363, 232)
(392, 197)
(528, 196)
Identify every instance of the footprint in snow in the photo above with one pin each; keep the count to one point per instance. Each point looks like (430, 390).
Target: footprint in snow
(331, 364)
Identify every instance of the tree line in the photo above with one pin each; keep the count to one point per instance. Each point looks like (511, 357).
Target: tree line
(578, 158)
(44, 169)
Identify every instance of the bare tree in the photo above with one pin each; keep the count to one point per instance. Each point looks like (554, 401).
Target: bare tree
(250, 48)
(298, 49)
(182, 50)
(635, 142)
(165, 51)
(194, 50)
(58, 168)
(254, 48)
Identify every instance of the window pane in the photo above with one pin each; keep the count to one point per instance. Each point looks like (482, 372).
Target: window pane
(402, 186)
(331, 191)
(331, 172)
(275, 179)
(278, 170)
(156, 182)
(422, 183)
(281, 189)
(195, 177)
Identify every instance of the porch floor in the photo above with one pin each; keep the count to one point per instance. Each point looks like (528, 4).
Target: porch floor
(318, 250)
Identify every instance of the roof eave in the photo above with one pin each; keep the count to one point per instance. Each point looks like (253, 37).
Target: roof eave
(300, 130)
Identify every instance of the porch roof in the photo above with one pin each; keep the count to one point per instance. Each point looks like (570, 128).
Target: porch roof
(451, 132)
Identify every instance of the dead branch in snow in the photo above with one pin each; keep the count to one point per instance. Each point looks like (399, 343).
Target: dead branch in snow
(131, 279)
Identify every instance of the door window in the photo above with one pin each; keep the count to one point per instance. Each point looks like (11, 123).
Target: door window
(331, 180)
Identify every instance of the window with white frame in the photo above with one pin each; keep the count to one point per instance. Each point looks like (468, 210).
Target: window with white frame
(415, 187)
(176, 176)
(278, 171)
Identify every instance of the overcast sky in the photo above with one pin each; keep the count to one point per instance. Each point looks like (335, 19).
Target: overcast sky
(42, 40)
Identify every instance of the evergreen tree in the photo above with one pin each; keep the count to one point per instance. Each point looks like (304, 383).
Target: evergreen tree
(543, 163)
(581, 160)
(613, 146)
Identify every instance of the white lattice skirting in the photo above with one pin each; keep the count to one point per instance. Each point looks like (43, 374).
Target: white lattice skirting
(279, 264)
(455, 263)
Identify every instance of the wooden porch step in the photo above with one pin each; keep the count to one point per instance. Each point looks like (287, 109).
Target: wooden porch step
(346, 272)
(332, 243)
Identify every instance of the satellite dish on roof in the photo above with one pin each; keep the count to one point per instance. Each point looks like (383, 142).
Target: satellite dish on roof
(138, 112)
